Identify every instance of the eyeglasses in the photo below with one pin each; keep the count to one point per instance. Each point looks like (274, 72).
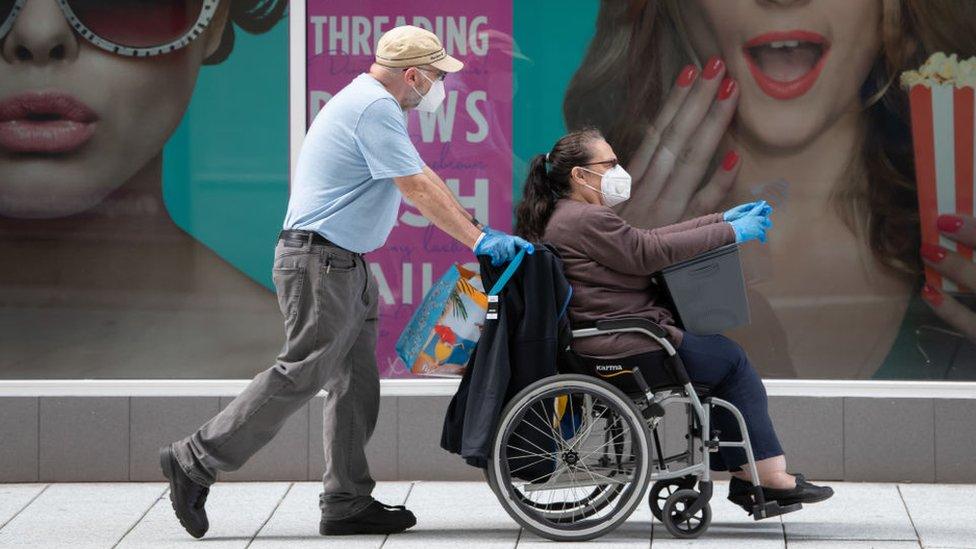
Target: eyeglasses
(441, 75)
(134, 28)
(611, 163)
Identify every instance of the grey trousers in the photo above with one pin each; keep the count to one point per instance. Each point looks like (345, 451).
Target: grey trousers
(329, 302)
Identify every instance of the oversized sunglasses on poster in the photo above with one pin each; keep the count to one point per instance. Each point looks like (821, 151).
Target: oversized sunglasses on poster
(135, 28)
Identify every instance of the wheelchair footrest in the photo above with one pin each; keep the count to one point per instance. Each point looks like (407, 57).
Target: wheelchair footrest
(773, 509)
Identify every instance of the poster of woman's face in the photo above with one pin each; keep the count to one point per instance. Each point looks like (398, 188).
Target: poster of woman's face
(823, 130)
(96, 277)
(80, 121)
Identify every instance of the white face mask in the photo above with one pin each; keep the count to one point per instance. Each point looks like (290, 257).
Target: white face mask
(614, 185)
(434, 97)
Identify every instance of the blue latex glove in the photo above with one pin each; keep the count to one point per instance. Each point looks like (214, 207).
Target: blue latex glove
(750, 227)
(760, 207)
(501, 247)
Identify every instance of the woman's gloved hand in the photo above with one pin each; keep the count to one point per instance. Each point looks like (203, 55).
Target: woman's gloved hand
(501, 247)
(760, 207)
(750, 227)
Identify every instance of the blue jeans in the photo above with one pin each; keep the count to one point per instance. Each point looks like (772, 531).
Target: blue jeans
(718, 363)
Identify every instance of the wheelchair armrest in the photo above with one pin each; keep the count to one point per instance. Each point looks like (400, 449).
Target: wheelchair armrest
(612, 324)
(673, 363)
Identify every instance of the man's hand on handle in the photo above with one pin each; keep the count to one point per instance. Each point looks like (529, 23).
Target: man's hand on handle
(501, 247)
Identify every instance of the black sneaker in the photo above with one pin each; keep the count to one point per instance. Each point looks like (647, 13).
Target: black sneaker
(805, 492)
(376, 518)
(187, 497)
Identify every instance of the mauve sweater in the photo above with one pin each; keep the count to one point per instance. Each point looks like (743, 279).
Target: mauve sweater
(608, 263)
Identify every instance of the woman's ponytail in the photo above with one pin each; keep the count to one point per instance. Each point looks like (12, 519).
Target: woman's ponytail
(544, 186)
(537, 204)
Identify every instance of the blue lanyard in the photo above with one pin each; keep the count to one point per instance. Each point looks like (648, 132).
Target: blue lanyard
(507, 274)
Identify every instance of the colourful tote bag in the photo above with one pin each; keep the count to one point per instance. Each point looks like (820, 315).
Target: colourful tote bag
(443, 331)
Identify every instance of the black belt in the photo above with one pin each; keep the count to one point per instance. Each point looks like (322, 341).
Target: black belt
(304, 236)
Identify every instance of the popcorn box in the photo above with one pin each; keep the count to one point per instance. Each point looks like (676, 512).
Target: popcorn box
(943, 115)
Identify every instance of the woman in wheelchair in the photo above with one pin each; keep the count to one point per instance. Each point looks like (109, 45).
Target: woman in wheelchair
(567, 202)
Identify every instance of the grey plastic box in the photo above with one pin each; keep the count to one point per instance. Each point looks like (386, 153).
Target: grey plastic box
(708, 291)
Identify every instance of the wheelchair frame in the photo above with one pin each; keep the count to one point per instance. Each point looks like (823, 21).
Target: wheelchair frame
(702, 411)
(700, 438)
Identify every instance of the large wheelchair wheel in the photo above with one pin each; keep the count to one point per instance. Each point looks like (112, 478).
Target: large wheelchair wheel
(569, 506)
(570, 458)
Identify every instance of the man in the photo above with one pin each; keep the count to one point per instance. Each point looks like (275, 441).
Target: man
(356, 164)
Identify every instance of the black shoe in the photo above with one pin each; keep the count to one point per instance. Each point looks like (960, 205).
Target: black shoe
(376, 518)
(805, 492)
(187, 497)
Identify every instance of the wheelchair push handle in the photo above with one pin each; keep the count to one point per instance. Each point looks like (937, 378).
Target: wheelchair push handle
(641, 382)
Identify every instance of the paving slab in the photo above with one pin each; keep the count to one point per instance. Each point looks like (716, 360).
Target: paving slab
(80, 515)
(943, 514)
(858, 511)
(454, 514)
(848, 544)
(295, 523)
(467, 515)
(14, 497)
(633, 533)
(236, 512)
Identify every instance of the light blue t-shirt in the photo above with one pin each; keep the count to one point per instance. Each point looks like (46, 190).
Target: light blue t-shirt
(343, 186)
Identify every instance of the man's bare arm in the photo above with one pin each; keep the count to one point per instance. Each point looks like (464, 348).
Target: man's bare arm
(440, 207)
(439, 183)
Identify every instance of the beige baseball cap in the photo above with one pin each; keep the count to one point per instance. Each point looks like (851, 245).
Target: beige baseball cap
(410, 46)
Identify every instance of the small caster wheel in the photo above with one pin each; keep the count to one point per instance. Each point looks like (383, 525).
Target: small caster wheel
(678, 522)
(662, 490)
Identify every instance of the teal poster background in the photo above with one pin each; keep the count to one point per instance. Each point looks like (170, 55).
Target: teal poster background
(225, 170)
(553, 35)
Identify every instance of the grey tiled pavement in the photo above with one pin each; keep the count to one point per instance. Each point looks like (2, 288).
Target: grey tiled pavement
(467, 515)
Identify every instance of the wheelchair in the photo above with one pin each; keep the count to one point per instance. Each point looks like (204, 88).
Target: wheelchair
(572, 455)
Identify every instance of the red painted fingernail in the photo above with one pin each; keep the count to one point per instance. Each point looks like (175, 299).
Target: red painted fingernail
(949, 223)
(713, 67)
(932, 295)
(730, 160)
(727, 89)
(933, 253)
(687, 76)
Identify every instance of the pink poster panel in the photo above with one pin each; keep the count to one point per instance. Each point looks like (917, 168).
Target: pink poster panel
(467, 141)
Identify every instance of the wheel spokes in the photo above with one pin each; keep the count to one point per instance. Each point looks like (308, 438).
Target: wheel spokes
(573, 491)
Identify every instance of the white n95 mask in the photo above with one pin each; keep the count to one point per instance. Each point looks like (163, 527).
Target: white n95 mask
(434, 98)
(614, 185)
